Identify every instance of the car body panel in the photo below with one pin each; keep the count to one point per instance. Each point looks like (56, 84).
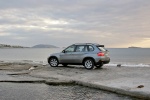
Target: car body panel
(67, 57)
(71, 55)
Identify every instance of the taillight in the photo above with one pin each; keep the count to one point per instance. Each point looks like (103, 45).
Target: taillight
(100, 54)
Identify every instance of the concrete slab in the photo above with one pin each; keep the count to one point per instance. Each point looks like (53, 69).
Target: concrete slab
(123, 80)
(133, 81)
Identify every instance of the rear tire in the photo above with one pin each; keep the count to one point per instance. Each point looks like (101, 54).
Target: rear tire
(53, 62)
(88, 64)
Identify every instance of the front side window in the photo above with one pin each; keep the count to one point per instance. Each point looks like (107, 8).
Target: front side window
(70, 49)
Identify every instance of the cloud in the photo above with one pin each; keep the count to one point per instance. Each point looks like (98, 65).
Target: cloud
(114, 23)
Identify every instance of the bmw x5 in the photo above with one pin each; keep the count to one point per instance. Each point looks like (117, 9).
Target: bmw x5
(86, 54)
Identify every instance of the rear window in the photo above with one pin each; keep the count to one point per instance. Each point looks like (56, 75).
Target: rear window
(101, 48)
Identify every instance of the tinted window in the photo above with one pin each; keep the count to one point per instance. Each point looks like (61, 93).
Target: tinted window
(70, 49)
(80, 48)
(90, 48)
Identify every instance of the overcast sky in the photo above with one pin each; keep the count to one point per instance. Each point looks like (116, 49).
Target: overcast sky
(114, 23)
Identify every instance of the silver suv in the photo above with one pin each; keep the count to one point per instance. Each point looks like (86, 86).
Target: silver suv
(86, 54)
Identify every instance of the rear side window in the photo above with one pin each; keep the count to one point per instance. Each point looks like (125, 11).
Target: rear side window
(90, 48)
(80, 48)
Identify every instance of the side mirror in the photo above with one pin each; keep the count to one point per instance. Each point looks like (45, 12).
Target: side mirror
(63, 51)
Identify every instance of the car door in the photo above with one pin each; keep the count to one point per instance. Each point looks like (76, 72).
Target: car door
(79, 53)
(66, 55)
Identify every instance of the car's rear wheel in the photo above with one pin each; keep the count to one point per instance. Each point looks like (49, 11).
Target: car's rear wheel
(88, 63)
(99, 65)
(53, 62)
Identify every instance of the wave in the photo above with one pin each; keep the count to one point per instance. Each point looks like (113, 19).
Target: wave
(128, 65)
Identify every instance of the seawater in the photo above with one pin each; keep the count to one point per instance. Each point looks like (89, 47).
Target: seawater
(136, 57)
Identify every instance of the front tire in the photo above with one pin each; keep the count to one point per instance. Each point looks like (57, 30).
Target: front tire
(53, 62)
(88, 64)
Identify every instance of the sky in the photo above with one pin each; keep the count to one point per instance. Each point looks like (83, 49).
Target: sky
(114, 23)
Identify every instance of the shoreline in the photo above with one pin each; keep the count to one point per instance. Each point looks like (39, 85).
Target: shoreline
(109, 65)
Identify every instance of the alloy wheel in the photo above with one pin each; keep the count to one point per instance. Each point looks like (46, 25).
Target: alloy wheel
(53, 62)
(88, 64)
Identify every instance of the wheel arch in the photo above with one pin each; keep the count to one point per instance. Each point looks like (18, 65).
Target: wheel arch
(52, 57)
(88, 58)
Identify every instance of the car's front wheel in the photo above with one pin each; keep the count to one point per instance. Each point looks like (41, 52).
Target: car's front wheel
(88, 64)
(53, 62)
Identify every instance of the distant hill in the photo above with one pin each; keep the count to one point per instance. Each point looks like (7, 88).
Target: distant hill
(10, 46)
(134, 47)
(44, 46)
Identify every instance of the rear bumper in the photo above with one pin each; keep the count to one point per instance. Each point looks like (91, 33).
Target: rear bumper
(104, 61)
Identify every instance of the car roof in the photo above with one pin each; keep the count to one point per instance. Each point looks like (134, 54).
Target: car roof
(89, 44)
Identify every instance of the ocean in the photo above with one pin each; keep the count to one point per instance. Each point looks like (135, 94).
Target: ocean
(130, 57)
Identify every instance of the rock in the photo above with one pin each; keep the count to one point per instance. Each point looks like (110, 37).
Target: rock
(118, 65)
(140, 86)
(33, 67)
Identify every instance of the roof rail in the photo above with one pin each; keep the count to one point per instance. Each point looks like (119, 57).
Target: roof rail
(89, 44)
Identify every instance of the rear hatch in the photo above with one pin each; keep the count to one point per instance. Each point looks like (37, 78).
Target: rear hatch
(102, 49)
